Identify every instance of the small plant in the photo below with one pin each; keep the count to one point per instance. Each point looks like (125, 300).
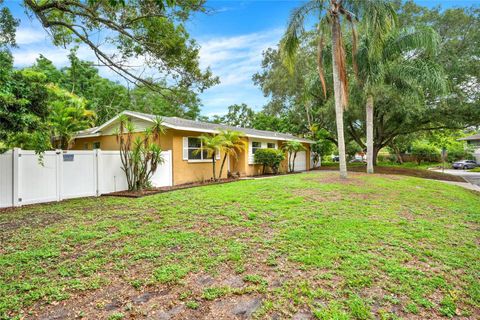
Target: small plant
(270, 158)
(359, 308)
(192, 304)
(170, 273)
(116, 316)
(255, 278)
(215, 292)
(448, 307)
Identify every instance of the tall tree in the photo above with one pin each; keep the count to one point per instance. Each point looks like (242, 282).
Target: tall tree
(404, 60)
(150, 32)
(374, 14)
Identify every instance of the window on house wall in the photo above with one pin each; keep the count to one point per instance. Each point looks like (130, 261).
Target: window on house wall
(271, 145)
(194, 145)
(85, 146)
(255, 146)
(96, 145)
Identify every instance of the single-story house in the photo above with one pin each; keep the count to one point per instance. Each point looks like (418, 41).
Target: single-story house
(474, 143)
(181, 137)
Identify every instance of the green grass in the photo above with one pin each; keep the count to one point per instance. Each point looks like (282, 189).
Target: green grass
(477, 169)
(373, 247)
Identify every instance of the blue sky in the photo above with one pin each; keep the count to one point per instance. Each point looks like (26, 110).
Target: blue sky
(232, 37)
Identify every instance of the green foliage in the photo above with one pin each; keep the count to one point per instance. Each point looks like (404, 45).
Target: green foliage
(8, 27)
(215, 292)
(140, 155)
(152, 32)
(423, 151)
(271, 158)
(414, 84)
(292, 148)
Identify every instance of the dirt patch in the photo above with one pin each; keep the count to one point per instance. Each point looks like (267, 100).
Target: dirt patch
(31, 220)
(353, 179)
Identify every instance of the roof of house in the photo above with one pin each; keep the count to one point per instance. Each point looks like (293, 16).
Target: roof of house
(193, 125)
(474, 137)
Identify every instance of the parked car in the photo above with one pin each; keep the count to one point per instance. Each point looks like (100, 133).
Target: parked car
(464, 164)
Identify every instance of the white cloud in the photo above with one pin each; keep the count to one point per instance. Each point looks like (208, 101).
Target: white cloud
(235, 60)
(29, 35)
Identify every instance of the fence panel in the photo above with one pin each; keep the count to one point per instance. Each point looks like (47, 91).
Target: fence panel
(6, 179)
(79, 174)
(111, 177)
(163, 175)
(63, 175)
(36, 182)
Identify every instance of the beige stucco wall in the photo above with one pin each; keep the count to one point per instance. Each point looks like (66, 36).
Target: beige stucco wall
(187, 171)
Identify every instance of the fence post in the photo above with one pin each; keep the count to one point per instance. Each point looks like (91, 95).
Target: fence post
(97, 168)
(17, 178)
(59, 173)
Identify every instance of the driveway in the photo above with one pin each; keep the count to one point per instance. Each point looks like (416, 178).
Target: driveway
(472, 177)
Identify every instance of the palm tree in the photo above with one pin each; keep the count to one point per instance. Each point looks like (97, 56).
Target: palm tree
(375, 14)
(401, 60)
(213, 145)
(292, 147)
(233, 145)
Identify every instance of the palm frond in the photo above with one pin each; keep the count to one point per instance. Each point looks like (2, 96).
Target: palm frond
(292, 38)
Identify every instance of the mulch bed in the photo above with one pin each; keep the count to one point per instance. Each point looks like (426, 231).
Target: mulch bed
(152, 191)
(419, 173)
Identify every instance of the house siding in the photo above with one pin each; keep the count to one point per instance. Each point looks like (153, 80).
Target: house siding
(185, 171)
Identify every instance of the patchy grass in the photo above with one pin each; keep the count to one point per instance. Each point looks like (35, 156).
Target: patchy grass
(373, 246)
(404, 170)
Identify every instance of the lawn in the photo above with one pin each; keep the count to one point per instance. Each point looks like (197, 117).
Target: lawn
(405, 169)
(304, 245)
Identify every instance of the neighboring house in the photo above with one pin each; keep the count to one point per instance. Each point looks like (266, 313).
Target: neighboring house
(473, 142)
(181, 137)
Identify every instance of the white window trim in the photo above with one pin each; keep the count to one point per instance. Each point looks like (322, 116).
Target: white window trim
(217, 156)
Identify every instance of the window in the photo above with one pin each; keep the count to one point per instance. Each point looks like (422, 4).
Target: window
(195, 144)
(85, 146)
(256, 145)
(271, 145)
(96, 145)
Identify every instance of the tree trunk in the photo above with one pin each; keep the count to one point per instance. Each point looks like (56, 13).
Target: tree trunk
(213, 165)
(375, 155)
(337, 90)
(369, 111)
(221, 167)
(398, 154)
(293, 163)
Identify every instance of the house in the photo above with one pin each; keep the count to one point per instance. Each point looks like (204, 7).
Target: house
(473, 142)
(181, 137)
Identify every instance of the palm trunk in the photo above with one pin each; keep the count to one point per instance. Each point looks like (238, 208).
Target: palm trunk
(337, 89)
(369, 111)
(221, 167)
(293, 163)
(213, 165)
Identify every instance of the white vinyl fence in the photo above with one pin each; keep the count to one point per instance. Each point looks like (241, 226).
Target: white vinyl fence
(66, 174)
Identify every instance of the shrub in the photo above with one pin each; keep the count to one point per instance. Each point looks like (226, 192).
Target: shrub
(269, 158)
(425, 152)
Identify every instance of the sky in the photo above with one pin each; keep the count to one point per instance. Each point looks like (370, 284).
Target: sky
(232, 37)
